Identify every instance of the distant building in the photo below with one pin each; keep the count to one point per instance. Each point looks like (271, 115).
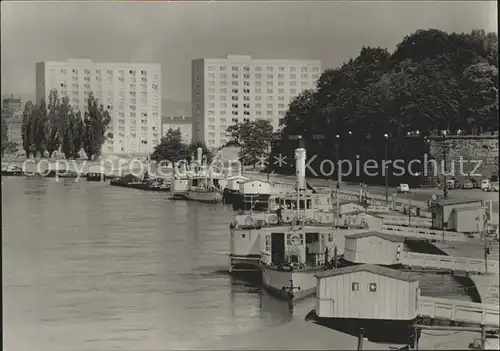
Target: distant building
(131, 92)
(239, 88)
(11, 105)
(184, 124)
(14, 129)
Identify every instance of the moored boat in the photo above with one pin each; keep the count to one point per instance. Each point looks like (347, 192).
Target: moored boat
(232, 190)
(11, 170)
(292, 244)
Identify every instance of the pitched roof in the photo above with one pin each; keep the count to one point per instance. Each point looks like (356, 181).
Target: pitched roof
(389, 237)
(374, 269)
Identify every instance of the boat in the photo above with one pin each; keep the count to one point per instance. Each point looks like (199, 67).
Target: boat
(291, 245)
(96, 174)
(232, 190)
(11, 170)
(253, 193)
(196, 183)
(147, 184)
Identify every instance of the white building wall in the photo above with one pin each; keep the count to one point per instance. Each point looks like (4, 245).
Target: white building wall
(239, 88)
(131, 92)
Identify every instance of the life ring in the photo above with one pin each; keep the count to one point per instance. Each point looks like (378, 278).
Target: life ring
(295, 239)
(398, 254)
(249, 221)
(273, 219)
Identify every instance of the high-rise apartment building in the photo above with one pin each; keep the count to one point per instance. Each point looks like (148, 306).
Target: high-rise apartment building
(239, 88)
(131, 92)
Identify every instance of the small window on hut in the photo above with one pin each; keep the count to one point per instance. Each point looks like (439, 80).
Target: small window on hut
(373, 287)
(355, 286)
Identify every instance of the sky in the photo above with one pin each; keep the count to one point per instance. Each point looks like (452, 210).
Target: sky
(174, 33)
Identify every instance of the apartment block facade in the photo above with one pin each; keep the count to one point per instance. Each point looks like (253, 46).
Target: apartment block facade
(239, 88)
(131, 92)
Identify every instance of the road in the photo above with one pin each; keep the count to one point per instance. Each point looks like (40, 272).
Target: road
(420, 194)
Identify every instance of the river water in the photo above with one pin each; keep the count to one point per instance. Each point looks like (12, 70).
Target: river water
(87, 266)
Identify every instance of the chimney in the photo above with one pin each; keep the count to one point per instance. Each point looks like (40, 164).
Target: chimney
(199, 155)
(300, 168)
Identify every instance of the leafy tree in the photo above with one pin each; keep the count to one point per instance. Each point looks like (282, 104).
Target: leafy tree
(434, 80)
(254, 139)
(40, 126)
(96, 121)
(28, 128)
(55, 123)
(5, 138)
(192, 149)
(170, 147)
(72, 130)
(480, 95)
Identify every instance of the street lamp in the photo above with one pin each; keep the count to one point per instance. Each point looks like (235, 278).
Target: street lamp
(445, 185)
(386, 136)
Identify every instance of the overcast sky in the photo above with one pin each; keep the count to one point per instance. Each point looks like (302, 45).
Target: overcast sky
(174, 33)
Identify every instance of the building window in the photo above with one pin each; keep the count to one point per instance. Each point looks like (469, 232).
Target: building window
(235, 69)
(355, 286)
(246, 105)
(373, 287)
(235, 105)
(234, 83)
(234, 90)
(235, 75)
(234, 113)
(246, 98)
(234, 98)
(211, 68)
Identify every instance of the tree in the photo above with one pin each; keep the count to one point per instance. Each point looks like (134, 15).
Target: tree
(72, 130)
(55, 123)
(28, 128)
(254, 139)
(96, 122)
(480, 95)
(170, 147)
(40, 126)
(5, 137)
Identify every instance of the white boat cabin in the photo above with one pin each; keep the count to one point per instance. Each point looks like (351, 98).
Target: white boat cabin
(301, 246)
(233, 183)
(254, 187)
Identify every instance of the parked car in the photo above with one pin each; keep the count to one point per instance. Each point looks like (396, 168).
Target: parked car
(467, 184)
(494, 186)
(403, 188)
(475, 183)
(451, 184)
(485, 185)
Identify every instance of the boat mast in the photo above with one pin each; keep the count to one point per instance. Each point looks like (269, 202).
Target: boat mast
(300, 166)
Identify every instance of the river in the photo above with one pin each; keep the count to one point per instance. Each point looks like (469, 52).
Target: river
(87, 266)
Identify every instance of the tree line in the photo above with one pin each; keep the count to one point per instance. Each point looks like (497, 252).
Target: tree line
(49, 127)
(8, 146)
(433, 81)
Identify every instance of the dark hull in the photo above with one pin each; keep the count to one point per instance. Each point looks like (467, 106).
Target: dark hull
(246, 202)
(54, 174)
(12, 173)
(375, 330)
(95, 177)
(230, 196)
(145, 187)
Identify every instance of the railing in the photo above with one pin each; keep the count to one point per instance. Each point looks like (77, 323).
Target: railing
(459, 311)
(424, 233)
(452, 263)
(406, 221)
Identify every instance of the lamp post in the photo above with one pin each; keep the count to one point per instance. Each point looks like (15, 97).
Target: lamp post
(386, 136)
(445, 185)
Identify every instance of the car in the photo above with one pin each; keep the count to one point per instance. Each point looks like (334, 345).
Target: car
(451, 184)
(403, 188)
(494, 186)
(475, 183)
(485, 185)
(467, 184)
